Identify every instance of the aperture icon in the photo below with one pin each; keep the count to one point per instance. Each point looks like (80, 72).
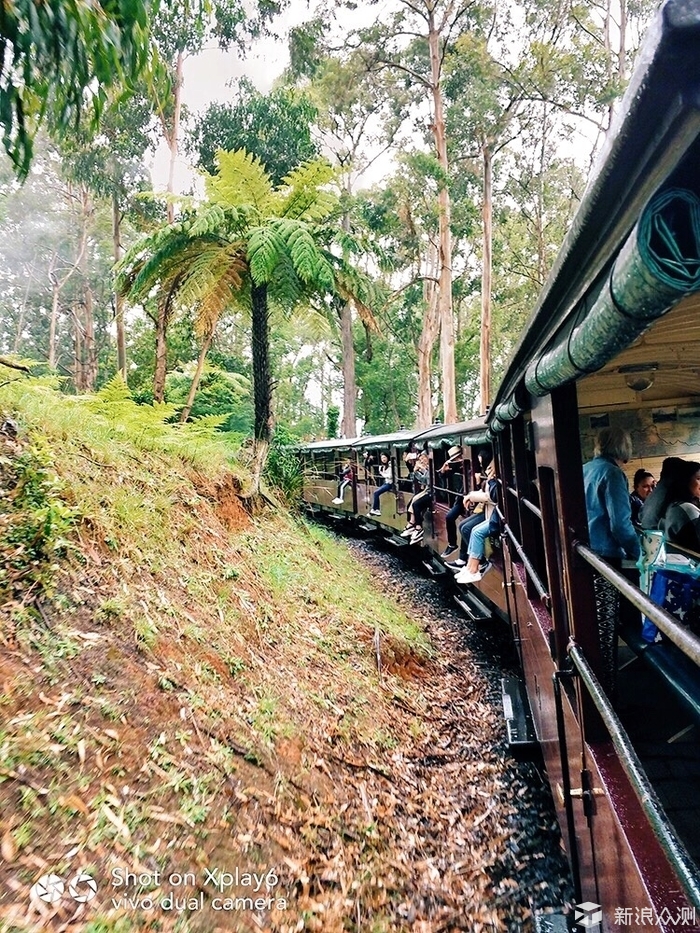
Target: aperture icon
(49, 888)
(82, 888)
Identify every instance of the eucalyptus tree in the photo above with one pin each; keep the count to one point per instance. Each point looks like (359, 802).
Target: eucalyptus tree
(110, 165)
(250, 244)
(274, 127)
(413, 41)
(357, 119)
(64, 56)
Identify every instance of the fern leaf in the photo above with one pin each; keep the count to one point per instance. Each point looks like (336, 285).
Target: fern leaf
(264, 247)
(241, 180)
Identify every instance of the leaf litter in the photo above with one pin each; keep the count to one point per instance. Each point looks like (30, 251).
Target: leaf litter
(224, 701)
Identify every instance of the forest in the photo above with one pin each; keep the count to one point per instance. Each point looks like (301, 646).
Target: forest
(360, 245)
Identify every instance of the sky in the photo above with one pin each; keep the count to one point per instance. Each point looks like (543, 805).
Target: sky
(208, 76)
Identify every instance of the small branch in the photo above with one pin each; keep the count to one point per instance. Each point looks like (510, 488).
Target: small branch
(377, 651)
(11, 365)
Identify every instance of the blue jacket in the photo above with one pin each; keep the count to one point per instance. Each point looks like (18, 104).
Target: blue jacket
(610, 525)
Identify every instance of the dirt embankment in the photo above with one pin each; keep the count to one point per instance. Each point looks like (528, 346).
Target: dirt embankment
(214, 722)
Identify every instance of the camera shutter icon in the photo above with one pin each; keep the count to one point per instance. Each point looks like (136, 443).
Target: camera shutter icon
(48, 888)
(588, 915)
(82, 888)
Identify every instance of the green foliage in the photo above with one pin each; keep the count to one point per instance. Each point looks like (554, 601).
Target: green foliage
(283, 470)
(332, 421)
(222, 394)
(52, 52)
(35, 522)
(275, 128)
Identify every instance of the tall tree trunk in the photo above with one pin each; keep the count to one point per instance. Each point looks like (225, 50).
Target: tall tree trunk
(118, 299)
(185, 413)
(78, 364)
(426, 342)
(161, 351)
(89, 378)
(173, 133)
(53, 322)
(349, 425)
(262, 380)
(447, 335)
(485, 341)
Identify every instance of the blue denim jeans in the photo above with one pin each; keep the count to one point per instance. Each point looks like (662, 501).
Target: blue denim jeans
(477, 540)
(378, 492)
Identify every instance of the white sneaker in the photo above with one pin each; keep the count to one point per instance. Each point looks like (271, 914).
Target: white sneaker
(374, 512)
(337, 501)
(417, 536)
(465, 576)
(408, 531)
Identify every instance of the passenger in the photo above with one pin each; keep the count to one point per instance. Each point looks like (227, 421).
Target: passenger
(464, 506)
(681, 520)
(642, 485)
(656, 504)
(346, 477)
(612, 535)
(386, 472)
(476, 535)
(452, 470)
(411, 455)
(420, 501)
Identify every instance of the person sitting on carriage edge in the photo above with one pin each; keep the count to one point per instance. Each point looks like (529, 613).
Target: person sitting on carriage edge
(642, 486)
(346, 475)
(464, 506)
(486, 491)
(420, 501)
(386, 471)
(612, 535)
(474, 538)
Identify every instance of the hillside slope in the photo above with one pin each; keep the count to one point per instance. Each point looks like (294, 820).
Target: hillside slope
(216, 719)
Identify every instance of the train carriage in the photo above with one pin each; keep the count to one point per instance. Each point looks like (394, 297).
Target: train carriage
(615, 341)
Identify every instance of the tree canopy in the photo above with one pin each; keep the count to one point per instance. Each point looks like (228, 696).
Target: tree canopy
(64, 55)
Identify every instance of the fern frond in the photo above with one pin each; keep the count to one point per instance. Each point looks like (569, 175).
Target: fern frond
(219, 295)
(363, 291)
(306, 199)
(264, 248)
(209, 220)
(241, 180)
(310, 263)
(285, 288)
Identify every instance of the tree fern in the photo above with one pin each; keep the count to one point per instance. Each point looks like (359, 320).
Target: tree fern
(241, 180)
(264, 247)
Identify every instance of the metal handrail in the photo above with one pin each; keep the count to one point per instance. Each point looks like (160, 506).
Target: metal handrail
(675, 851)
(533, 508)
(683, 638)
(532, 573)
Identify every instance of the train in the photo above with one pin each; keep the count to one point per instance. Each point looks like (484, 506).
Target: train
(613, 341)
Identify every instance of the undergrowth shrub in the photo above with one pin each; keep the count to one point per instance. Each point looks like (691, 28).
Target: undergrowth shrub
(283, 469)
(34, 521)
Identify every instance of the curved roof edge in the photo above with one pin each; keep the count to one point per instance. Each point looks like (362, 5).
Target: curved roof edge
(656, 123)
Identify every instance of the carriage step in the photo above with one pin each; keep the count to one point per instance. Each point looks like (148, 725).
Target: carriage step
(520, 728)
(550, 923)
(434, 568)
(472, 607)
